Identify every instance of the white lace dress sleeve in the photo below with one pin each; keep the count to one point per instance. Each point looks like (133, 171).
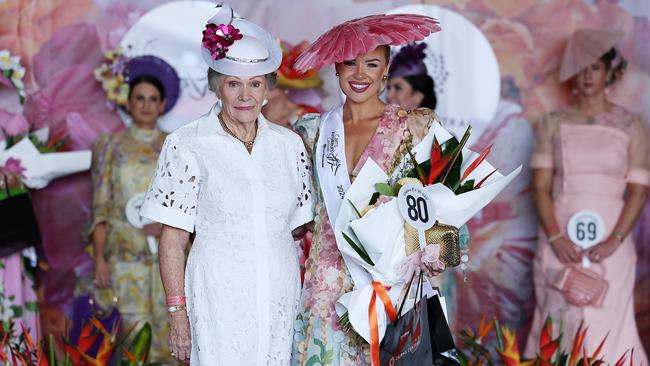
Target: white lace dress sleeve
(305, 203)
(172, 195)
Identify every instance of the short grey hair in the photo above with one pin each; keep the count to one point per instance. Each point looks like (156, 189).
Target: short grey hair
(214, 76)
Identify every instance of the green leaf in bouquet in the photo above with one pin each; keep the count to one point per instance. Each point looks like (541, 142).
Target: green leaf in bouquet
(448, 147)
(385, 189)
(418, 172)
(355, 209)
(374, 198)
(361, 251)
(465, 187)
(452, 176)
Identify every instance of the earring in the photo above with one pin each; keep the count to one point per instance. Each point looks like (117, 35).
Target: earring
(265, 102)
(337, 74)
(385, 77)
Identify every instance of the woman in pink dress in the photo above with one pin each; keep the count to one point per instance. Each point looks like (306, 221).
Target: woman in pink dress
(590, 156)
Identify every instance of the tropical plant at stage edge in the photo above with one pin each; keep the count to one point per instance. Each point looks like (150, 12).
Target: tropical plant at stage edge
(20, 349)
(57, 143)
(549, 353)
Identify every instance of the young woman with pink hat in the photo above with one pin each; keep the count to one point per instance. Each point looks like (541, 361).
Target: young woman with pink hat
(341, 140)
(590, 168)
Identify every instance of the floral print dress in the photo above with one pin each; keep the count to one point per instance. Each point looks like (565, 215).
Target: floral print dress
(123, 164)
(318, 338)
(18, 302)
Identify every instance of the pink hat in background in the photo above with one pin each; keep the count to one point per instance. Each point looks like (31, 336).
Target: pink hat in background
(585, 46)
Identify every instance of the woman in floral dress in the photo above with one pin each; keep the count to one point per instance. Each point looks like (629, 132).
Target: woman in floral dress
(18, 301)
(363, 127)
(125, 263)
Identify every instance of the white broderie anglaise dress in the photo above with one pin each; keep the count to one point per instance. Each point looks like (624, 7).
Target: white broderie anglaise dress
(242, 278)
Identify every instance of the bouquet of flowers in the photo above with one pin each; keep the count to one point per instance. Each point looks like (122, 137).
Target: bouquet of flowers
(381, 250)
(37, 159)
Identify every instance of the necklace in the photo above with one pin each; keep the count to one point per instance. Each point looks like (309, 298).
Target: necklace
(247, 144)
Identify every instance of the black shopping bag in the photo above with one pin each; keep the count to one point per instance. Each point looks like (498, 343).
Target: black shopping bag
(441, 338)
(18, 227)
(443, 349)
(407, 341)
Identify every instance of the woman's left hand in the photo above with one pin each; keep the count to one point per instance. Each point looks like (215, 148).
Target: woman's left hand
(603, 249)
(152, 230)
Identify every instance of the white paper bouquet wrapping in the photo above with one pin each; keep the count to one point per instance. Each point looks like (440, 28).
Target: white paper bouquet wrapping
(380, 231)
(38, 169)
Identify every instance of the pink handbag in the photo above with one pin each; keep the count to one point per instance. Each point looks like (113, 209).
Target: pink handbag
(583, 287)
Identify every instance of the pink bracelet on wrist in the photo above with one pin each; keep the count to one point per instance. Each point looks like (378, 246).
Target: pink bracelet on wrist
(176, 300)
(552, 229)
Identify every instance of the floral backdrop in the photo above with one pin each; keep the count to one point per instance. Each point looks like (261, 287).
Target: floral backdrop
(60, 42)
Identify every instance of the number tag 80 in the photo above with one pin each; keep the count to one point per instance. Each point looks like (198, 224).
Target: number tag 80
(416, 206)
(586, 229)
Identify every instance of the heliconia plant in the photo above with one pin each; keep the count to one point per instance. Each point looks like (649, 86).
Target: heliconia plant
(22, 350)
(549, 352)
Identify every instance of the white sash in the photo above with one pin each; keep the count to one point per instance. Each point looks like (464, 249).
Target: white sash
(331, 165)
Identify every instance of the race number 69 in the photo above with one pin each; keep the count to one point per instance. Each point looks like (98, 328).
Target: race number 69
(586, 228)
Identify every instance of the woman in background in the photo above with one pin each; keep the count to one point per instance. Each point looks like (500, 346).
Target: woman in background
(590, 156)
(295, 94)
(125, 261)
(409, 83)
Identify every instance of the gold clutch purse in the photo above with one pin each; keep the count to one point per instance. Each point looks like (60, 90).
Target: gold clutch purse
(444, 235)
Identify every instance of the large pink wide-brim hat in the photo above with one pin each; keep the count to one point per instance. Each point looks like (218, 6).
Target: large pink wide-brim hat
(584, 47)
(356, 37)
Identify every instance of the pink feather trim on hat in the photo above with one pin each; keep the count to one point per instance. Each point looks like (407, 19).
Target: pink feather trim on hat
(348, 40)
(585, 46)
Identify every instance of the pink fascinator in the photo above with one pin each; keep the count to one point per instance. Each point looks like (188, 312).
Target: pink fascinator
(355, 37)
(218, 37)
(585, 46)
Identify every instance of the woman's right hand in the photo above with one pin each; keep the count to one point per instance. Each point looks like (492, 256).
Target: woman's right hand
(180, 344)
(101, 275)
(566, 251)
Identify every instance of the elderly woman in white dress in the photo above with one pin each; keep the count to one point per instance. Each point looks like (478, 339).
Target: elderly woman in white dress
(242, 184)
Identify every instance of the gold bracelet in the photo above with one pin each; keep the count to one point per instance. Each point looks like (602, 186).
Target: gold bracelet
(619, 236)
(555, 237)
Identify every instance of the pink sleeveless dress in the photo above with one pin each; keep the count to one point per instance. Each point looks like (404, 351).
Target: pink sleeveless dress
(592, 163)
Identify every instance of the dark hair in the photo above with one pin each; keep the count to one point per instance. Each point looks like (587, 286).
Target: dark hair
(425, 85)
(609, 59)
(149, 79)
(386, 49)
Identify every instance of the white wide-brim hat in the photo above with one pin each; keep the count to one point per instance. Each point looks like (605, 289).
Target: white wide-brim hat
(256, 53)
